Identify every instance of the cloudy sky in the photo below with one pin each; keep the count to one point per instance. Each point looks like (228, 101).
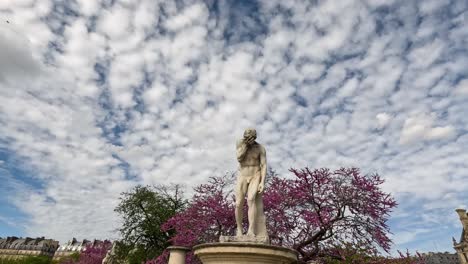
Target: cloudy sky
(96, 97)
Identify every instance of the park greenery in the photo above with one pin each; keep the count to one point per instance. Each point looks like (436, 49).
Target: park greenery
(329, 216)
(27, 260)
(143, 210)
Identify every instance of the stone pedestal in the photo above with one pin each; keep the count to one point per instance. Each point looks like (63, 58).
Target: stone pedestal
(244, 252)
(245, 239)
(177, 254)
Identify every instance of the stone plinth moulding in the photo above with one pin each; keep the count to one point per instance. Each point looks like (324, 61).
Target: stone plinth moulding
(241, 253)
(245, 239)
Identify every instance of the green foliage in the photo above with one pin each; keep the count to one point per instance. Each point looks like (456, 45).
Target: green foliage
(27, 260)
(138, 254)
(143, 210)
(353, 255)
(75, 256)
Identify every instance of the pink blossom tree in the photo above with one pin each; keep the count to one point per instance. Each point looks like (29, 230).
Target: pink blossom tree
(322, 209)
(312, 212)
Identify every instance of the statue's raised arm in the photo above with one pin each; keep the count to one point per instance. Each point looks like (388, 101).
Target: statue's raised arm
(241, 149)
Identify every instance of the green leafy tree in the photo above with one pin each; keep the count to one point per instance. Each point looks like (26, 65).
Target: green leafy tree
(143, 210)
(27, 260)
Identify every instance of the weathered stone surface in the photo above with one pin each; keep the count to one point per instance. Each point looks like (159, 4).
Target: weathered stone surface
(250, 182)
(245, 239)
(241, 253)
(177, 254)
(462, 246)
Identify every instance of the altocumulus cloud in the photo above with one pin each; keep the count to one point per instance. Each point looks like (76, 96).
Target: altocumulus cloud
(96, 97)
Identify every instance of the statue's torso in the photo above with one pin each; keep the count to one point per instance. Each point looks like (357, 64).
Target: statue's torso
(250, 165)
(252, 156)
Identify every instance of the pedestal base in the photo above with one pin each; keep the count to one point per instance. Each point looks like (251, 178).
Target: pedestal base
(241, 253)
(177, 254)
(245, 239)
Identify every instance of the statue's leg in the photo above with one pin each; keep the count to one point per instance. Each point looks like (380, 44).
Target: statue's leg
(241, 189)
(251, 196)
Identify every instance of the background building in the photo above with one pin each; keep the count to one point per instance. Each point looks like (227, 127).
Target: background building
(14, 247)
(74, 246)
(440, 258)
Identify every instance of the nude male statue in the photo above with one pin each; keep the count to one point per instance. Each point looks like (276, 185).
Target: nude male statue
(251, 181)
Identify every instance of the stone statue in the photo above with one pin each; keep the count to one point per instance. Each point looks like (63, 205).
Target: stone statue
(253, 247)
(251, 182)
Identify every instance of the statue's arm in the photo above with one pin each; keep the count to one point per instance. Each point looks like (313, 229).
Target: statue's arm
(263, 164)
(241, 148)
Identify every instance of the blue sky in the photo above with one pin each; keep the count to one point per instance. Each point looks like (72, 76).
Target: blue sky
(98, 96)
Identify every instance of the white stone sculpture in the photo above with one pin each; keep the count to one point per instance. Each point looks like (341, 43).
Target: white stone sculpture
(253, 247)
(251, 182)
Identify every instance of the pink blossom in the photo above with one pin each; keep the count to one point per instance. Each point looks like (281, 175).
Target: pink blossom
(312, 212)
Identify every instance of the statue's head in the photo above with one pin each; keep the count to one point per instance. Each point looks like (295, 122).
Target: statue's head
(250, 132)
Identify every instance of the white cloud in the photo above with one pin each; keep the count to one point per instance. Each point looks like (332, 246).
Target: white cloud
(404, 237)
(421, 127)
(146, 15)
(115, 22)
(16, 58)
(88, 8)
(440, 132)
(415, 128)
(187, 17)
(377, 3)
(383, 119)
(428, 7)
(425, 55)
(156, 95)
(462, 87)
